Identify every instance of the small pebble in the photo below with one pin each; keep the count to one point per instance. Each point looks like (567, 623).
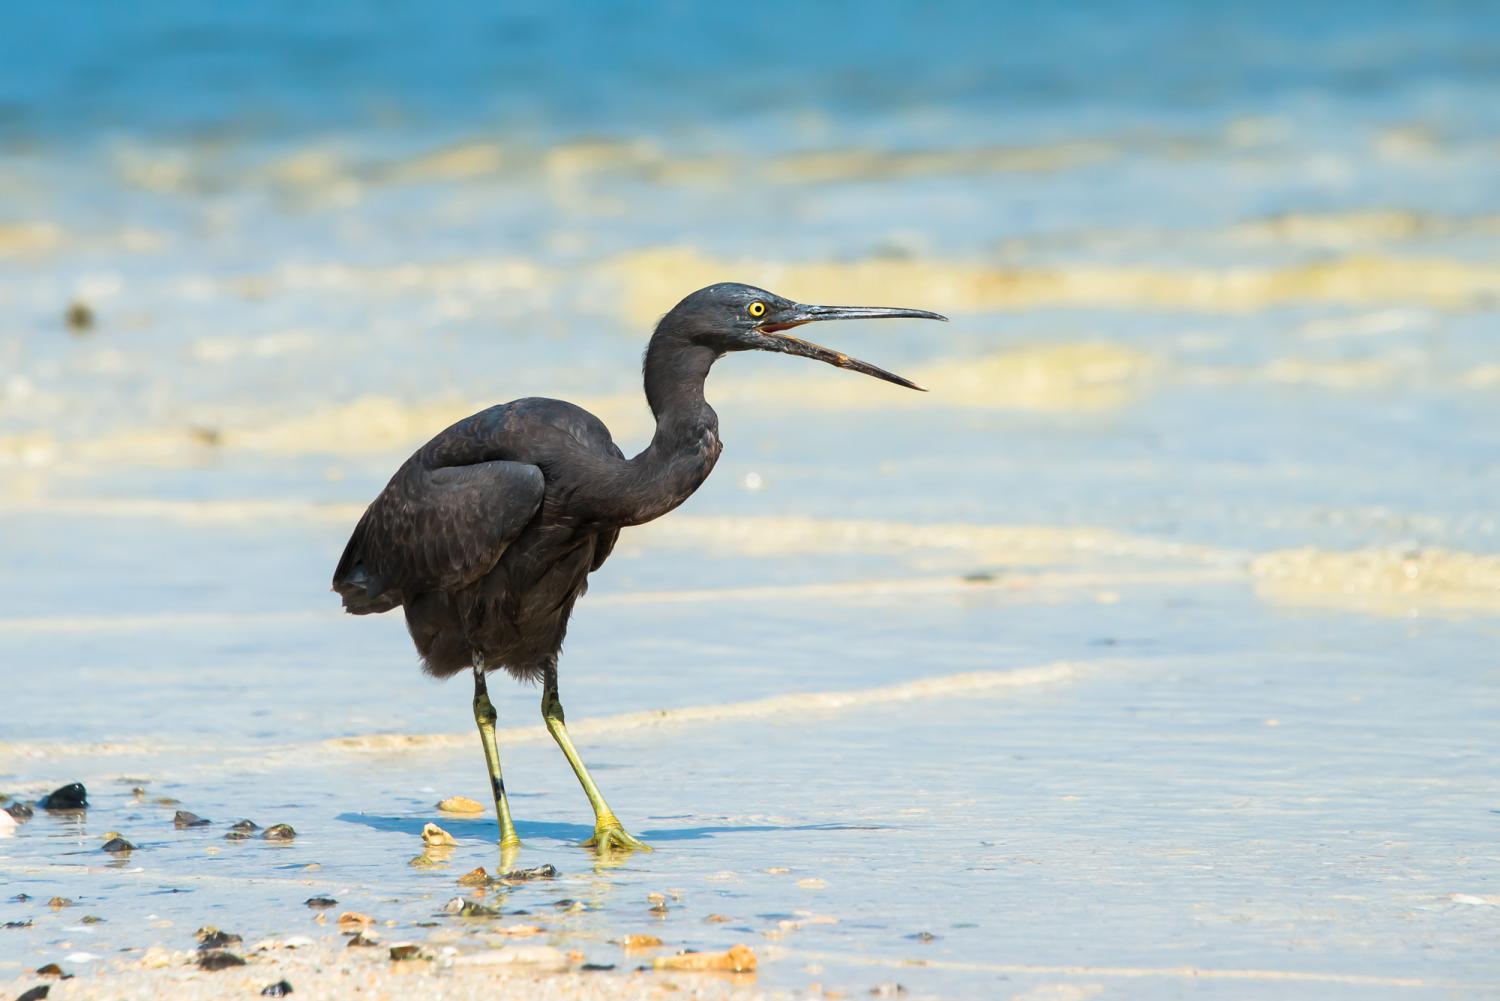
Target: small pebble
(217, 959)
(923, 936)
(279, 989)
(405, 951)
(79, 317)
(460, 804)
(20, 898)
(739, 959)
(116, 846)
(523, 875)
(244, 826)
(210, 937)
(58, 903)
(35, 994)
(475, 877)
(594, 967)
(353, 919)
(19, 812)
(361, 939)
(185, 819)
(435, 836)
(640, 941)
(53, 970)
(69, 797)
(17, 924)
(279, 832)
(91, 919)
(319, 903)
(469, 909)
(888, 990)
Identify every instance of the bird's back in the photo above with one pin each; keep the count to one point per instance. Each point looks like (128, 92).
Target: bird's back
(436, 539)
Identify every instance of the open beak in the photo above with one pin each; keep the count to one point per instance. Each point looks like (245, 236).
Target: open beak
(775, 325)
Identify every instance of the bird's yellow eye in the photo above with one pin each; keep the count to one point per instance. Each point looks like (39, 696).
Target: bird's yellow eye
(757, 309)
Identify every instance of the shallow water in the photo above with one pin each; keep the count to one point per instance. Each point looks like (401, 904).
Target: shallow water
(1164, 624)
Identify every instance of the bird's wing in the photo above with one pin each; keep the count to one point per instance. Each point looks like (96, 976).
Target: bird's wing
(436, 529)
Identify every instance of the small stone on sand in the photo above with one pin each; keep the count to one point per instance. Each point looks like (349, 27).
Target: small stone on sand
(185, 819)
(640, 942)
(319, 903)
(279, 832)
(475, 877)
(69, 797)
(354, 919)
(117, 846)
(210, 937)
(435, 836)
(279, 989)
(460, 804)
(739, 959)
(218, 959)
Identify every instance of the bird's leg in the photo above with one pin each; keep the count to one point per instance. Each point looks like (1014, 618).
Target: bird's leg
(609, 834)
(485, 716)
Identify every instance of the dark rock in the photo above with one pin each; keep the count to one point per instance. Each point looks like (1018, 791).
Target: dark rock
(244, 826)
(358, 939)
(319, 903)
(470, 909)
(186, 819)
(79, 317)
(69, 797)
(591, 967)
(522, 875)
(17, 924)
(402, 952)
(91, 919)
(116, 846)
(217, 959)
(53, 970)
(210, 937)
(279, 989)
(19, 812)
(20, 898)
(923, 936)
(279, 832)
(36, 993)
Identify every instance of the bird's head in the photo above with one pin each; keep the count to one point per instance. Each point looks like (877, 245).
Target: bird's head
(733, 317)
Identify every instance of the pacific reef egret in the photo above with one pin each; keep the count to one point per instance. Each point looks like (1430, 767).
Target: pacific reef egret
(486, 536)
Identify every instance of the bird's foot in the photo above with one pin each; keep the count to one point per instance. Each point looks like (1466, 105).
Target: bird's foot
(610, 837)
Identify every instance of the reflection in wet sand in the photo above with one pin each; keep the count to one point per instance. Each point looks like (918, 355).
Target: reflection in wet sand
(1382, 581)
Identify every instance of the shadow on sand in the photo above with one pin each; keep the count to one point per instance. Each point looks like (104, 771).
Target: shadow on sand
(484, 829)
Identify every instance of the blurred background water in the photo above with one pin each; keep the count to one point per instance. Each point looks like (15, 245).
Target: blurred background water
(1215, 423)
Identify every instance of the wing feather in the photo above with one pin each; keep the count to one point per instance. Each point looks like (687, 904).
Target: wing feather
(436, 529)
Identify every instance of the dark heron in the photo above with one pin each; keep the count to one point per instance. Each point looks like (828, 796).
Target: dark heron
(486, 536)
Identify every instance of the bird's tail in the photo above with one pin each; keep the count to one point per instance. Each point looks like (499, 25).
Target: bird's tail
(362, 591)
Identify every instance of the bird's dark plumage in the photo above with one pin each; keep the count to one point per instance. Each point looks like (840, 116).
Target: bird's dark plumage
(477, 542)
(486, 536)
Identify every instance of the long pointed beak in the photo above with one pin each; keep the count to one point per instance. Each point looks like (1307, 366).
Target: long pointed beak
(776, 339)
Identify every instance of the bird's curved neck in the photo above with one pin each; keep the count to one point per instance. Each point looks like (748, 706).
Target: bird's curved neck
(686, 444)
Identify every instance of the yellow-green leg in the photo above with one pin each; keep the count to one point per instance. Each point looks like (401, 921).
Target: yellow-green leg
(609, 834)
(485, 716)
